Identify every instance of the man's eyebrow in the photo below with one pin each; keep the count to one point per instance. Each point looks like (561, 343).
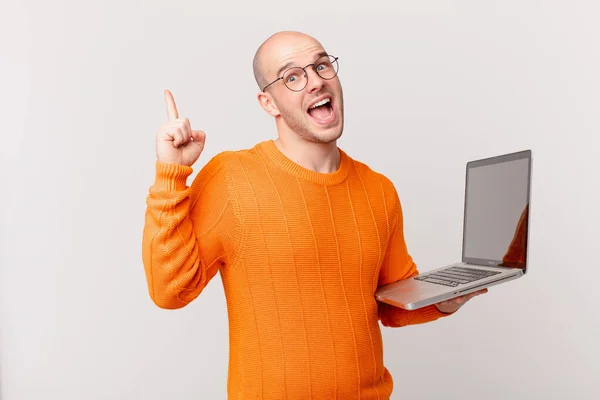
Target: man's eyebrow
(292, 63)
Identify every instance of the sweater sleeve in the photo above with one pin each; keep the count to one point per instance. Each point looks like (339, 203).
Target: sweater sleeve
(397, 265)
(189, 232)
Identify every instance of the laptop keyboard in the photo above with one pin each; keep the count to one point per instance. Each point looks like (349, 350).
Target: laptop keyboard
(455, 276)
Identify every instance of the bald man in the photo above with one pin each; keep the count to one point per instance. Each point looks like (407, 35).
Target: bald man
(301, 234)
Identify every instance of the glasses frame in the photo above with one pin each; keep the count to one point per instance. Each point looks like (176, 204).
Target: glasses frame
(313, 65)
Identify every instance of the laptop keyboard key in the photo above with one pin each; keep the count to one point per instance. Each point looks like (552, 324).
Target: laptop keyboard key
(440, 281)
(455, 276)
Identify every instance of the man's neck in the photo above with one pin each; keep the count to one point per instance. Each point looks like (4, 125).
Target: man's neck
(319, 157)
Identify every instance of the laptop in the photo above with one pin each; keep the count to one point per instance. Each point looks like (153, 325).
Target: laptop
(495, 236)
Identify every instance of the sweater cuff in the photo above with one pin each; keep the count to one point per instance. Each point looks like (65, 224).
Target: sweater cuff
(171, 177)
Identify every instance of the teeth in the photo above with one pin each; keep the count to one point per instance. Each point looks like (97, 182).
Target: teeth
(320, 103)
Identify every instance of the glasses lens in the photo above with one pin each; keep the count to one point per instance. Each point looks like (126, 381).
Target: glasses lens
(326, 67)
(295, 79)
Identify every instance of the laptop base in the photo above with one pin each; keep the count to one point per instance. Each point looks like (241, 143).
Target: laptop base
(414, 293)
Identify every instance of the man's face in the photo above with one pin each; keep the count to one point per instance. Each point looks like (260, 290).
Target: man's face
(322, 124)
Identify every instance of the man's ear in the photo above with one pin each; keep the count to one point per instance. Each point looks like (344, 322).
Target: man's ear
(266, 102)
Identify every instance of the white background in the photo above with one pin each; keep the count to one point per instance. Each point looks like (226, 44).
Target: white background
(428, 86)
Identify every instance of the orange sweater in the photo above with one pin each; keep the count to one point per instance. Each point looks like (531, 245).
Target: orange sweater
(300, 256)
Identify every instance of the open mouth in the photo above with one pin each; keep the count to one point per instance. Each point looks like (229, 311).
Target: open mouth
(322, 112)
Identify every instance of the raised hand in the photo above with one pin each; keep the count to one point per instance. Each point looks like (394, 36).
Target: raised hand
(176, 142)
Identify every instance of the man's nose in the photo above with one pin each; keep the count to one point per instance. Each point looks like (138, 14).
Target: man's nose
(315, 82)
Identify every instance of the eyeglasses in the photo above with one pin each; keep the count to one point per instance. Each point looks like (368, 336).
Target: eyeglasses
(296, 78)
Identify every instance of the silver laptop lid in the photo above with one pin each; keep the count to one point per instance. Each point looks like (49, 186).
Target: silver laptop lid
(496, 215)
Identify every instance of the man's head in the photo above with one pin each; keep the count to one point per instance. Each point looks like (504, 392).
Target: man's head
(288, 99)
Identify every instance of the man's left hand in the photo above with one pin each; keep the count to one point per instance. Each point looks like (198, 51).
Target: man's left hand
(452, 305)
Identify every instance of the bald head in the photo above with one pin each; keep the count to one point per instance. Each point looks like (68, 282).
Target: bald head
(276, 49)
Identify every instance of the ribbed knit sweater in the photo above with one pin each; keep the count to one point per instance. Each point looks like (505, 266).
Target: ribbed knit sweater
(300, 255)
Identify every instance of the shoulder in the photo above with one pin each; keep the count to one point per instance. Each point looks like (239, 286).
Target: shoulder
(374, 180)
(367, 173)
(233, 158)
(227, 166)
(227, 160)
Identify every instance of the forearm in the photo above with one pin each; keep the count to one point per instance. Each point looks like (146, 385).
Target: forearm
(398, 265)
(174, 271)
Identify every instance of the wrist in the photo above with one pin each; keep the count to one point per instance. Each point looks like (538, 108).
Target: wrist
(171, 177)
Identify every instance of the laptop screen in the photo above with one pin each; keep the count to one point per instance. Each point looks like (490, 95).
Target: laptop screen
(497, 211)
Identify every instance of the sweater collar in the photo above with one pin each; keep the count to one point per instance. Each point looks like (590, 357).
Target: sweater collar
(270, 150)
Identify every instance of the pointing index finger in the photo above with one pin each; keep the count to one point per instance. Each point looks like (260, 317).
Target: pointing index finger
(171, 107)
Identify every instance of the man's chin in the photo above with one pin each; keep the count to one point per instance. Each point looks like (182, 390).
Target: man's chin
(326, 136)
(312, 132)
